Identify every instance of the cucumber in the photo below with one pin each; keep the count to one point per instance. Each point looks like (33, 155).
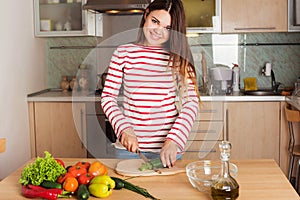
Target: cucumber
(154, 163)
(118, 182)
(83, 192)
(50, 184)
(134, 188)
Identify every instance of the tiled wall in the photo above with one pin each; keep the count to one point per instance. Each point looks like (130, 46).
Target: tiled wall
(251, 52)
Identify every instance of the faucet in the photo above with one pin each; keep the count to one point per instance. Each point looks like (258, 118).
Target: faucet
(267, 71)
(274, 84)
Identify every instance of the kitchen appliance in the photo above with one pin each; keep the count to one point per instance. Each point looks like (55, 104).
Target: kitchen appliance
(201, 16)
(117, 6)
(221, 80)
(100, 134)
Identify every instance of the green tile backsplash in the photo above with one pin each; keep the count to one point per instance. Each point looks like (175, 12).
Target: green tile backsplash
(252, 51)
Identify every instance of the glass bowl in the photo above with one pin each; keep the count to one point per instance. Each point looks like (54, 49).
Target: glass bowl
(201, 174)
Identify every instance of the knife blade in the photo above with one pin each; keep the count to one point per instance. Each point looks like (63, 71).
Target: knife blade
(142, 156)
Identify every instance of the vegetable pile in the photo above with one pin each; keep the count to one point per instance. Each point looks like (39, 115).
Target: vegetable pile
(48, 178)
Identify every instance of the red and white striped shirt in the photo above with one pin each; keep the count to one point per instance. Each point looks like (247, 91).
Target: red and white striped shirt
(149, 97)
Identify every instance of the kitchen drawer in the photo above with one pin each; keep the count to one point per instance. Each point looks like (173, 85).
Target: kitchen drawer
(210, 111)
(202, 150)
(205, 130)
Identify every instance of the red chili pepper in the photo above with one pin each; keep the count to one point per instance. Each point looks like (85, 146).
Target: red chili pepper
(60, 162)
(55, 190)
(38, 192)
(36, 187)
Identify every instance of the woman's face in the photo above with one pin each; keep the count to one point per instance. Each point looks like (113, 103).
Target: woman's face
(157, 27)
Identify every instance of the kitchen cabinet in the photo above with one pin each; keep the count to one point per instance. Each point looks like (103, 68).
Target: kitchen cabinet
(203, 16)
(58, 18)
(206, 133)
(254, 16)
(253, 128)
(58, 127)
(293, 15)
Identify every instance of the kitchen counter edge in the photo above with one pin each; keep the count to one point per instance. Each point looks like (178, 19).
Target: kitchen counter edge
(56, 95)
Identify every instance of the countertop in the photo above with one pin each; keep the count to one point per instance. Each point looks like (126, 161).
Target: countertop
(258, 179)
(58, 95)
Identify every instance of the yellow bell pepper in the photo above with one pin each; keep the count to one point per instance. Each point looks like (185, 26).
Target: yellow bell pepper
(101, 186)
(100, 190)
(104, 179)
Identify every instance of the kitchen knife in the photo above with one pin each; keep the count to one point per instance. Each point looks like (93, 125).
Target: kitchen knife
(142, 156)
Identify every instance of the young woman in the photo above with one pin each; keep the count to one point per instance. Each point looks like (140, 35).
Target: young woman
(154, 70)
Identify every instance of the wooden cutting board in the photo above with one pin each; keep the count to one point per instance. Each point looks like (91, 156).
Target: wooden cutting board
(131, 168)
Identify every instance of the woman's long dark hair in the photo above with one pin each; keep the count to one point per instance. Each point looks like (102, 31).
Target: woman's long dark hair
(181, 59)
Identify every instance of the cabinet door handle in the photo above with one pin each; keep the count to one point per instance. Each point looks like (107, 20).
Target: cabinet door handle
(207, 131)
(209, 111)
(254, 28)
(212, 151)
(81, 128)
(227, 124)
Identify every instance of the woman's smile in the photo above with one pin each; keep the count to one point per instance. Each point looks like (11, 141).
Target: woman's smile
(155, 35)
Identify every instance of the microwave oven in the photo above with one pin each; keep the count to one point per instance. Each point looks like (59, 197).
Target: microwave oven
(203, 16)
(294, 15)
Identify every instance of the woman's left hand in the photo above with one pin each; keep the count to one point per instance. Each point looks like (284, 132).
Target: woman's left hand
(168, 153)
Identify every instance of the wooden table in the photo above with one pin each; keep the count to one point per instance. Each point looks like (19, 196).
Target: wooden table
(258, 179)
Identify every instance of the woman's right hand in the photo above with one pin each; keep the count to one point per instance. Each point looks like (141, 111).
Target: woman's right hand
(129, 140)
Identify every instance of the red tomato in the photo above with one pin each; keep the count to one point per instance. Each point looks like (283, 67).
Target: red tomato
(63, 177)
(83, 164)
(85, 178)
(76, 171)
(60, 162)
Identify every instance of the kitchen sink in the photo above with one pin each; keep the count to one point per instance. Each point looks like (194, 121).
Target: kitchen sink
(262, 93)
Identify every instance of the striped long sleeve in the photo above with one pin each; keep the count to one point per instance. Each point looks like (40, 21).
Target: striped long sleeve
(148, 98)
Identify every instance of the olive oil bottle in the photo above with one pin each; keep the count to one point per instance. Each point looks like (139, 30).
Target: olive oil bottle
(225, 187)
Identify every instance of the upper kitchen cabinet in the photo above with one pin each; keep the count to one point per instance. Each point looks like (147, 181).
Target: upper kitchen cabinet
(203, 16)
(58, 18)
(294, 15)
(254, 16)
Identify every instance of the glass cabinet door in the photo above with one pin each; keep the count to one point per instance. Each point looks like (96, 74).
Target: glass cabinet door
(65, 18)
(203, 16)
